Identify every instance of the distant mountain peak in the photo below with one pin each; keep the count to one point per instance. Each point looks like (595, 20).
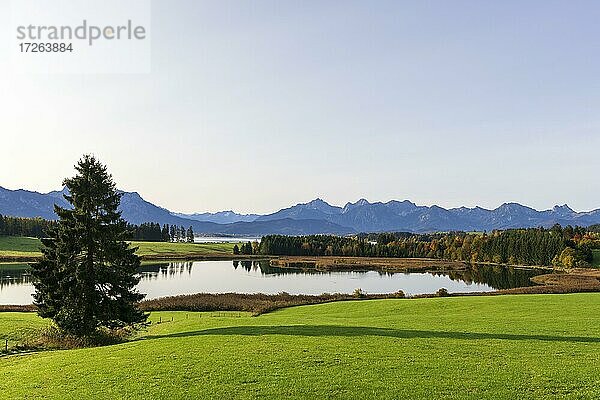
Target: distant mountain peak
(318, 202)
(562, 209)
(359, 203)
(509, 205)
(134, 195)
(405, 202)
(514, 206)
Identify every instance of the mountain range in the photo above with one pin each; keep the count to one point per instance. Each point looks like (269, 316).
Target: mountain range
(316, 216)
(221, 217)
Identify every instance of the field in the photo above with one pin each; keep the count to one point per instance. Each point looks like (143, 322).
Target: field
(157, 250)
(501, 347)
(17, 327)
(596, 262)
(12, 246)
(26, 249)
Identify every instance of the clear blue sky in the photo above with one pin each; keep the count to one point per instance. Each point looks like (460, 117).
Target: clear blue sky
(253, 106)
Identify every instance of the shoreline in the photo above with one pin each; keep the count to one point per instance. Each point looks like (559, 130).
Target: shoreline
(203, 302)
(162, 257)
(335, 263)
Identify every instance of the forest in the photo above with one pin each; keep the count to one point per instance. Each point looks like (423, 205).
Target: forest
(30, 227)
(565, 247)
(152, 232)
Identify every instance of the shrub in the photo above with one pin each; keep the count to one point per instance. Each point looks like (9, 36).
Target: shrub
(53, 337)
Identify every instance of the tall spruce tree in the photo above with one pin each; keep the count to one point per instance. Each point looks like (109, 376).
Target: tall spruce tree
(190, 235)
(87, 276)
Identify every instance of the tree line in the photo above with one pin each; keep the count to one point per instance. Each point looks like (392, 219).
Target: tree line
(247, 248)
(17, 226)
(150, 231)
(153, 232)
(558, 246)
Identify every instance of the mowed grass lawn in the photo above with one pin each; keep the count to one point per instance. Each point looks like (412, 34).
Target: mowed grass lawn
(11, 246)
(500, 347)
(17, 327)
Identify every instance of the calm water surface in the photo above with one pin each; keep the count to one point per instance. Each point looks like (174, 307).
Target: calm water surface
(175, 278)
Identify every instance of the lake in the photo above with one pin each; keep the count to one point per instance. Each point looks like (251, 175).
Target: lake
(167, 279)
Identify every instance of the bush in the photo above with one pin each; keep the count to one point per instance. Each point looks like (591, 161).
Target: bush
(53, 337)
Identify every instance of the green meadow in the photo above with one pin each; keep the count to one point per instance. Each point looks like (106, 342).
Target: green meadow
(497, 347)
(16, 246)
(166, 249)
(11, 246)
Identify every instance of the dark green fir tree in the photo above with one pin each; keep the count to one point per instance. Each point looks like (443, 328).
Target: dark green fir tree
(86, 279)
(190, 235)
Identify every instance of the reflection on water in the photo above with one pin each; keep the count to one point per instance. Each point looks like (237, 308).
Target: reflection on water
(155, 271)
(14, 274)
(173, 278)
(497, 277)
(16, 286)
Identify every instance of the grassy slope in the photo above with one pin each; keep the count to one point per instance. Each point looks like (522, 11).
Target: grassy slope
(19, 246)
(162, 249)
(479, 347)
(16, 327)
(23, 247)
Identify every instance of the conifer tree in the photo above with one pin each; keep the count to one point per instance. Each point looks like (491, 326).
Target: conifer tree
(86, 278)
(190, 235)
(165, 236)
